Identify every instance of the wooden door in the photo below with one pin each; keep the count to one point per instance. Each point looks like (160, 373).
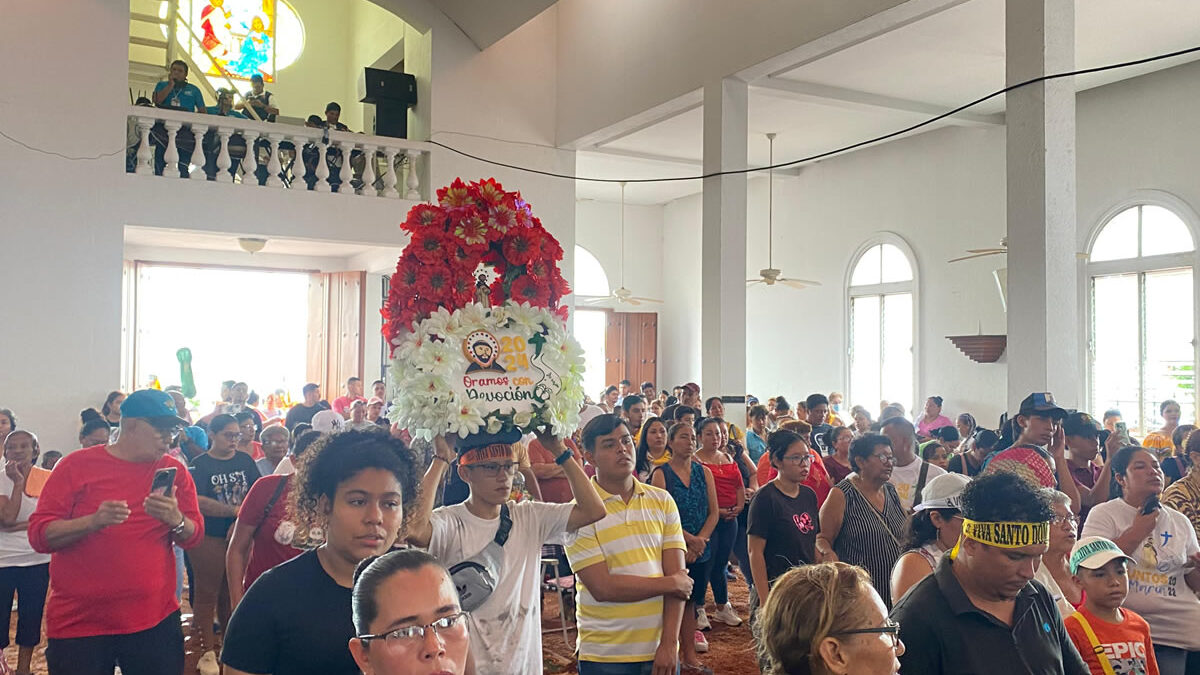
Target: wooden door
(631, 347)
(614, 348)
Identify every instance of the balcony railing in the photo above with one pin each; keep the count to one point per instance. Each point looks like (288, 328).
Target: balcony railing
(175, 144)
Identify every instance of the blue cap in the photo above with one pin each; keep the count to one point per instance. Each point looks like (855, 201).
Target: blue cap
(197, 435)
(149, 404)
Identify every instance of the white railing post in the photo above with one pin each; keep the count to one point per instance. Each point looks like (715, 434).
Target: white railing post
(223, 159)
(412, 181)
(347, 173)
(198, 157)
(145, 154)
(322, 169)
(171, 154)
(368, 176)
(250, 161)
(273, 165)
(389, 174)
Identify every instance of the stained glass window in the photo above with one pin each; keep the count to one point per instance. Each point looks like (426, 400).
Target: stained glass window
(240, 38)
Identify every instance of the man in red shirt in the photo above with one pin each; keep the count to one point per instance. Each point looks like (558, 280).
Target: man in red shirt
(354, 392)
(112, 567)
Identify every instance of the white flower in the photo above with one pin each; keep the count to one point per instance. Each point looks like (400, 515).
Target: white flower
(522, 419)
(439, 358)
(494, 424)
(465, 419)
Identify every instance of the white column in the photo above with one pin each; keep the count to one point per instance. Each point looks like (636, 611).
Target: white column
(198, 159)
(322, 170)
(273, 165)
(171, 153)
(368, 175)
(345, 189)
(723, 251)
(413, 180)
(250, 163)
(145, 153)
(1043, 307)
(389, 174)
(223, 159)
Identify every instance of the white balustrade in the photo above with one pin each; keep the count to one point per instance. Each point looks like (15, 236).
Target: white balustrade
(154, 158)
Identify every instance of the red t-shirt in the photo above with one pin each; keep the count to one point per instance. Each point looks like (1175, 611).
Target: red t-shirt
(267, 551)
(121, 579)
(818, 475)
(1127, 644)
(341, 404)
(554, 490)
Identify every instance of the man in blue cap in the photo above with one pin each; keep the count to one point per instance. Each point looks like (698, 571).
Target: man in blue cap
(108, 517)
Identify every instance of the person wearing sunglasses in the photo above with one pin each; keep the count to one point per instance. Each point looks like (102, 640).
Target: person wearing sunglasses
(827, 619)
(112, 599)
(979, 612)
(506, 629)
(407, 618)
(223, 477)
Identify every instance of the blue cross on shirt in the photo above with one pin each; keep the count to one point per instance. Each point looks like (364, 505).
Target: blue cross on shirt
(1166, 537)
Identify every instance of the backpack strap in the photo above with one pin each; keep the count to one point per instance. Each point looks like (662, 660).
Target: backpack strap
(1097, 648)
(270, 505)
(921, 482)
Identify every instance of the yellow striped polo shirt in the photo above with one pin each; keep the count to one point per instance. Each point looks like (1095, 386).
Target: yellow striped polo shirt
(630, 540)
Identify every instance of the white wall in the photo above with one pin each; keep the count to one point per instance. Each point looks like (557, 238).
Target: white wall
(597, 228)
(943, 192)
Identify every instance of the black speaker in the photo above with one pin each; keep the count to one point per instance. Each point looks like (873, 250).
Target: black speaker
(391, 118)
(378, 85)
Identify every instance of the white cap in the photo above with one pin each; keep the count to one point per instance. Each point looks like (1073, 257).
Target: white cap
(1094, 552)
(942, 492)
(327, 421)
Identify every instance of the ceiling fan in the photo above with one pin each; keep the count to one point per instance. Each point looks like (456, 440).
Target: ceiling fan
(622, 295)
(1001, 250)
(771, 276)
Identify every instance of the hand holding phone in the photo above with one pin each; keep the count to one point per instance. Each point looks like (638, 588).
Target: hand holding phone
(1123, 433)
(164, 482)
(1152, 504)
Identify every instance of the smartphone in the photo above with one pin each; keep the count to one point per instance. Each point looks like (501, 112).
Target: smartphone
(164, 482)
(1123, 433)
(1151, 505)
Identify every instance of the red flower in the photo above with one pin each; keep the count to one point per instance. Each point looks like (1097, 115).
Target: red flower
(455, 195)
(500, 220)
(521, 246)
(433, 283)
(561, 313)
(551, 249)
(490, 191)
(538, 269)
(526, 288)
(429, 246)
(422, 216)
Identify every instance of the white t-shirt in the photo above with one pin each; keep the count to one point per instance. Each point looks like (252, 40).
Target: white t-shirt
(1157, 590)
(506, 631)
(15, 550)
(905, 480)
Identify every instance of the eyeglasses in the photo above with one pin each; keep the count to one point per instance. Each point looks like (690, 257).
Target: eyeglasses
(886, 459)
(491, 469)
(799, 459)
(168, 431)
(1070, 519)
(412, 633)
(890, 627)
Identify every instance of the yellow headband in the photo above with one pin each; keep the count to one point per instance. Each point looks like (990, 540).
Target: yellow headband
(1004, 534)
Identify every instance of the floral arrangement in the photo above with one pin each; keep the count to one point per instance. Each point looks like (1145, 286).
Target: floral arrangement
(427, 368)
(440, 300)
(471, 225)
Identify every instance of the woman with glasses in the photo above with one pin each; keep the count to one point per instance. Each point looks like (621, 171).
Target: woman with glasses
(1055, 571)
(296, 618)
(862, 521)
(407, 617)
(933, 529)
(223, 476)
(784, 520)
(250, 426)
(826, 619)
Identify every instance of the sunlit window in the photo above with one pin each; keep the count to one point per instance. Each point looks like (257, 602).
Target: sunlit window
(881, 328)
(590, 278)
(251, 326)
(239, 38)
(1142, 348)
(591, 325)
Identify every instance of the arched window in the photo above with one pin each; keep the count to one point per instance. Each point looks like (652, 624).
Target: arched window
(238, 38)
(882, 317)
(1141, 345)
(590, 324)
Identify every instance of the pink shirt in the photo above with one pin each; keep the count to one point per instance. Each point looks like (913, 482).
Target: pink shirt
(923, 427)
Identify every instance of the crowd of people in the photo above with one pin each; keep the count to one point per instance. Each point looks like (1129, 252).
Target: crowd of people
(323, 539)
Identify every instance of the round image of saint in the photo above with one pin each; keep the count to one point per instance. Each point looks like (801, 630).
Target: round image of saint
(481, 349)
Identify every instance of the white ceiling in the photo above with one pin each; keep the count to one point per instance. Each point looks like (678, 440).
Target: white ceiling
(209, 241)
(887, 83)
(487, 21)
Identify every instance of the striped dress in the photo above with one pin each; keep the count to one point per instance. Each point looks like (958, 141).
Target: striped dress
(871, 539)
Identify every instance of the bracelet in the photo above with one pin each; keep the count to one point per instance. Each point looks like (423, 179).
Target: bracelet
(562, 459)
(443, 459)
(178, 529)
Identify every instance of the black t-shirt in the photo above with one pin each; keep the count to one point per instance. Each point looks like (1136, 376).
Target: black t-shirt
(817, 439)
(294, 620)
(225, 480)
(303, 413)
(789, 526)
(956, 466)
